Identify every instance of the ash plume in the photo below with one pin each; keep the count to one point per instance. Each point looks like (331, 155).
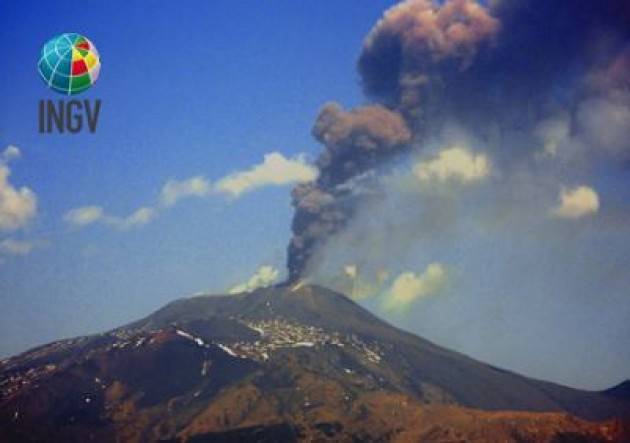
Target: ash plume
(502, 72)
(416, 43)
(355, 142)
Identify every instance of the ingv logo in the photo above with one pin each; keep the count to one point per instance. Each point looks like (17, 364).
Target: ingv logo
(69, 64)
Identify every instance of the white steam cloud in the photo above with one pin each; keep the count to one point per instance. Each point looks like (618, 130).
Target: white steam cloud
(263, 277)
(409, 287)
(455, 164)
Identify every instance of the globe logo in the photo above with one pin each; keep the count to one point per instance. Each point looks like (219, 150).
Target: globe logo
(69, 63)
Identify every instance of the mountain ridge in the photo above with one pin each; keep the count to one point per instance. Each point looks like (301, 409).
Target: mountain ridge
(344, 320)
(258, 355)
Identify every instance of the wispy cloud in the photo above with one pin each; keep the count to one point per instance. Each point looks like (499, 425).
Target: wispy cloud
(11, 246)
(139, 217)
(87, 215)
(83, 216)
(175, 190)
(275, 170)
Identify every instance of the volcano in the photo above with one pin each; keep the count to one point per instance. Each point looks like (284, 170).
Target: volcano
(285, 363)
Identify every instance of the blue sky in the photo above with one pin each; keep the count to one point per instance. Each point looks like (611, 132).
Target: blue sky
(204, 89)
(207, 89)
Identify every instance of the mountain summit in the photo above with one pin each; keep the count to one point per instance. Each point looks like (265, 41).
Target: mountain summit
(286, 363)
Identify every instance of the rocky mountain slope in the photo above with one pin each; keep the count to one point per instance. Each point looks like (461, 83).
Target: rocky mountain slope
(287, 363)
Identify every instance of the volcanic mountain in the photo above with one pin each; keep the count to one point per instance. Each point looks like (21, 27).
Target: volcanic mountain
(285, 363)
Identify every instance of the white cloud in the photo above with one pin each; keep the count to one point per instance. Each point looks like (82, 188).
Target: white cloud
(139, 217)
(577, 202)
(274, 170)
(87, 215)
(455, 164)
(264, 276)
(171, 193)
(16, 247)
(175, 190)
(17, 205)
(84, 215)
(409, 287)
(11, 153)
